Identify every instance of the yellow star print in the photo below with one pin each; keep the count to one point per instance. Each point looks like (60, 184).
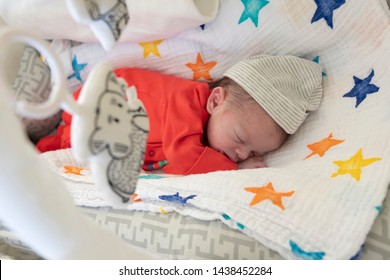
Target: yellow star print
(151, 47)
(267, 192)
(354, 165)
(321, 147)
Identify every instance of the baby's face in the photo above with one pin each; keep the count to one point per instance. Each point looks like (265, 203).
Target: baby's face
(240, 135)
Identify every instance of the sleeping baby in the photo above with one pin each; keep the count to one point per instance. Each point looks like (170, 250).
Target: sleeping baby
(197, 127)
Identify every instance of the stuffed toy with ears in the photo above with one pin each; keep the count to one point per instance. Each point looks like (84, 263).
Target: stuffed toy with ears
(109, 128)
(106, 18)
(33, 202)
(110, 134)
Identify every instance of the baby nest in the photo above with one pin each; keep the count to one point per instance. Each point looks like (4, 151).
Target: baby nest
(323, 189)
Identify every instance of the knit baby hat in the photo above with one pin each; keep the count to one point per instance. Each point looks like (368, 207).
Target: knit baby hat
(288, 88)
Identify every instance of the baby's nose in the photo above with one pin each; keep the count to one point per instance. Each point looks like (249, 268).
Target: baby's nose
(242, 154)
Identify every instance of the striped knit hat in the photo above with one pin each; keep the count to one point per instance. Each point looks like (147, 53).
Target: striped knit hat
(286, 87)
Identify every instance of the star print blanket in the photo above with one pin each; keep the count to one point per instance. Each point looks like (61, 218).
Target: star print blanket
(323, 189)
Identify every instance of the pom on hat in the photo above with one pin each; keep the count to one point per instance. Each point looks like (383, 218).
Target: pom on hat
(287, 87)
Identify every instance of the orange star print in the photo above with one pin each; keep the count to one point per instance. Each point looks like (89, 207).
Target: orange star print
(353, 166)
(135, 198)
(201, 69)
(73, 170)
(321, 147)
(151, 47)
(268, 192)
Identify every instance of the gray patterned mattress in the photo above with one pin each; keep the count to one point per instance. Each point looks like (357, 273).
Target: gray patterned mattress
(173, 236)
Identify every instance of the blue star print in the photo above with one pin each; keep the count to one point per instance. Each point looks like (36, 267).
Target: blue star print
(305, 255)
(325, 9)
(362, 88)
(252, 9)
(358, 254)
(176, 198)
(76, 69)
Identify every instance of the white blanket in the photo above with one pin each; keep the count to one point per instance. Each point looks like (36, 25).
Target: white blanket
(298, 213)
(149, 20)
(325, 186)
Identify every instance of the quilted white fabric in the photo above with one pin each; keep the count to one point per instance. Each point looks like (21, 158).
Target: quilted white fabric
(325, 186)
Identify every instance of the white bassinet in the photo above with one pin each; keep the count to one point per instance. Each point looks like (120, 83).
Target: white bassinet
(337, 164)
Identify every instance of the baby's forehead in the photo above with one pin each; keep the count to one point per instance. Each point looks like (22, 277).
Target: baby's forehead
(258, 121)
(254, 114)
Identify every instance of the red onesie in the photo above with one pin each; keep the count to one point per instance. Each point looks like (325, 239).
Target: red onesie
(177, 114)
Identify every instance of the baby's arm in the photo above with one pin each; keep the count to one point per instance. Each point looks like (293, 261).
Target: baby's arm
(251, 162)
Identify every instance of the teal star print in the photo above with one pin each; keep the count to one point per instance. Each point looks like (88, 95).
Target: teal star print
(325, 9)
(76, 69)
(251, 10)
(362, 88)
(317, 60)
(305, 254)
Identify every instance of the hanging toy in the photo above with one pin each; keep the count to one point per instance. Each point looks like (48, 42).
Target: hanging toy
(109, 127)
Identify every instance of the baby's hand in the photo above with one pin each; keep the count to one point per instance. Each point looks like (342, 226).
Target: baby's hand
(251, 162)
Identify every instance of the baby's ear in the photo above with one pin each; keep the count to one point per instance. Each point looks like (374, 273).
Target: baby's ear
(216, 98)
